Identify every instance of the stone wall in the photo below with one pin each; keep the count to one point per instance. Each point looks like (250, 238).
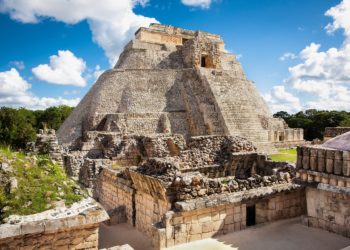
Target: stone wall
(331, 132)
(149, 210)
(75, 227)
(199, 223)
(328, 210)
(116, 195)
(81, 237)
(324, 160)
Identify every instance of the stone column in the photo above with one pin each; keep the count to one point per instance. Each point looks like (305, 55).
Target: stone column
(338, 162)
(299, 157)
(306, 158)
(313, 159)
(346, 163)
(330, 161)
(321, 160)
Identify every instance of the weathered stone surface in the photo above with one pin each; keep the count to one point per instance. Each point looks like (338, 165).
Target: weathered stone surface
(61, 228)
(174, 81)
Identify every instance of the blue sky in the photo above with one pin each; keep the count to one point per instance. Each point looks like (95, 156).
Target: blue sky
(52, 50)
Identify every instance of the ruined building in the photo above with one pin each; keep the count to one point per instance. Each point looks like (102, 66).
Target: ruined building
(174, 81)
(171, 141)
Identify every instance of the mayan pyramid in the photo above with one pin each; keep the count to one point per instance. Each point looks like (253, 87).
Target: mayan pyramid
(176, 81)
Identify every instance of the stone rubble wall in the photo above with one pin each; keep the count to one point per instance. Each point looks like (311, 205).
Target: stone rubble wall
(331, 132)
(328, 210)
(202, 223)
(47, 143)
(74, 227)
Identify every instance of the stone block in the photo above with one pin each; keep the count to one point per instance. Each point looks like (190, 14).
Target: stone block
(218, 225)
(196, 228)
(237, 226)
(32, 227)
(195, 237)
(207, 227)
(204, 217)
(215, 216)
(228, 219)
(178, 220)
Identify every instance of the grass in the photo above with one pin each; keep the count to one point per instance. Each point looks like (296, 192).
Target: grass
(289, 155)
(40, 183)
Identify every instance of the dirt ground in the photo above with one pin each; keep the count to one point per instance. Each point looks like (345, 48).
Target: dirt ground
(286, 235)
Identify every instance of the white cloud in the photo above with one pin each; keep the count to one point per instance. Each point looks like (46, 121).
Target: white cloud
(15, 91)
(324, 76)
(279, 99)
(341, 18)
(98, 71)
(287, 56)
(64, 69)
(205, 4)
(112, 22)
(71, 92)
(18, 64)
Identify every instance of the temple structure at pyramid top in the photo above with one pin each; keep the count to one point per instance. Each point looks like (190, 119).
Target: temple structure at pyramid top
(170, 80)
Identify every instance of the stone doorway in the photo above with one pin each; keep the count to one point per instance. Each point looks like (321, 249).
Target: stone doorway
(251, 212)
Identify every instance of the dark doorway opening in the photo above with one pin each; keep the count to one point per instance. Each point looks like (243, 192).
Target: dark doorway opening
(250, 215)
(203, 64)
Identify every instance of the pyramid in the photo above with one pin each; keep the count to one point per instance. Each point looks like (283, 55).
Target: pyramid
(175, 81)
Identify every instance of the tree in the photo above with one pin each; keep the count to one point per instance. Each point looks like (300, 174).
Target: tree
(19, 126)
(315, 121)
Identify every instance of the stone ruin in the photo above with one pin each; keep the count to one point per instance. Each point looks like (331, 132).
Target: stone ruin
(325, 171)
(171, 141)
(174, 81)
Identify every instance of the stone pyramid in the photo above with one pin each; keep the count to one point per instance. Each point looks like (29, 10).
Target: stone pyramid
(175, 81)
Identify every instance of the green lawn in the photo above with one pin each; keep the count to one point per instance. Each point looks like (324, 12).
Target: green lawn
(289, 155)
(40, 183)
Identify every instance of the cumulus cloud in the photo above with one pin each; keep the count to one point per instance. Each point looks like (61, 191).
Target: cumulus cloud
(205, 4)
(288, 56)
(15, 91)
(324, 75)
(280, 99)
(112, 22)
(64, 68)
(98, 71)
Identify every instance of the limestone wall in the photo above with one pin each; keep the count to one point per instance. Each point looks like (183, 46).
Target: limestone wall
(201, 223)
(149, 211)
(75, 227)
(81, 237)
(116, 195)
(324, 160)
(328, 210)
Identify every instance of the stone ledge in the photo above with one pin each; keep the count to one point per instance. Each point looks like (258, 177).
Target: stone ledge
(83, 213)
(231, 198)
(334, 189)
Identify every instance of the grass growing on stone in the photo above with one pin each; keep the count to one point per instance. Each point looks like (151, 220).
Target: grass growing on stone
(32, 184)
(289, 155)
